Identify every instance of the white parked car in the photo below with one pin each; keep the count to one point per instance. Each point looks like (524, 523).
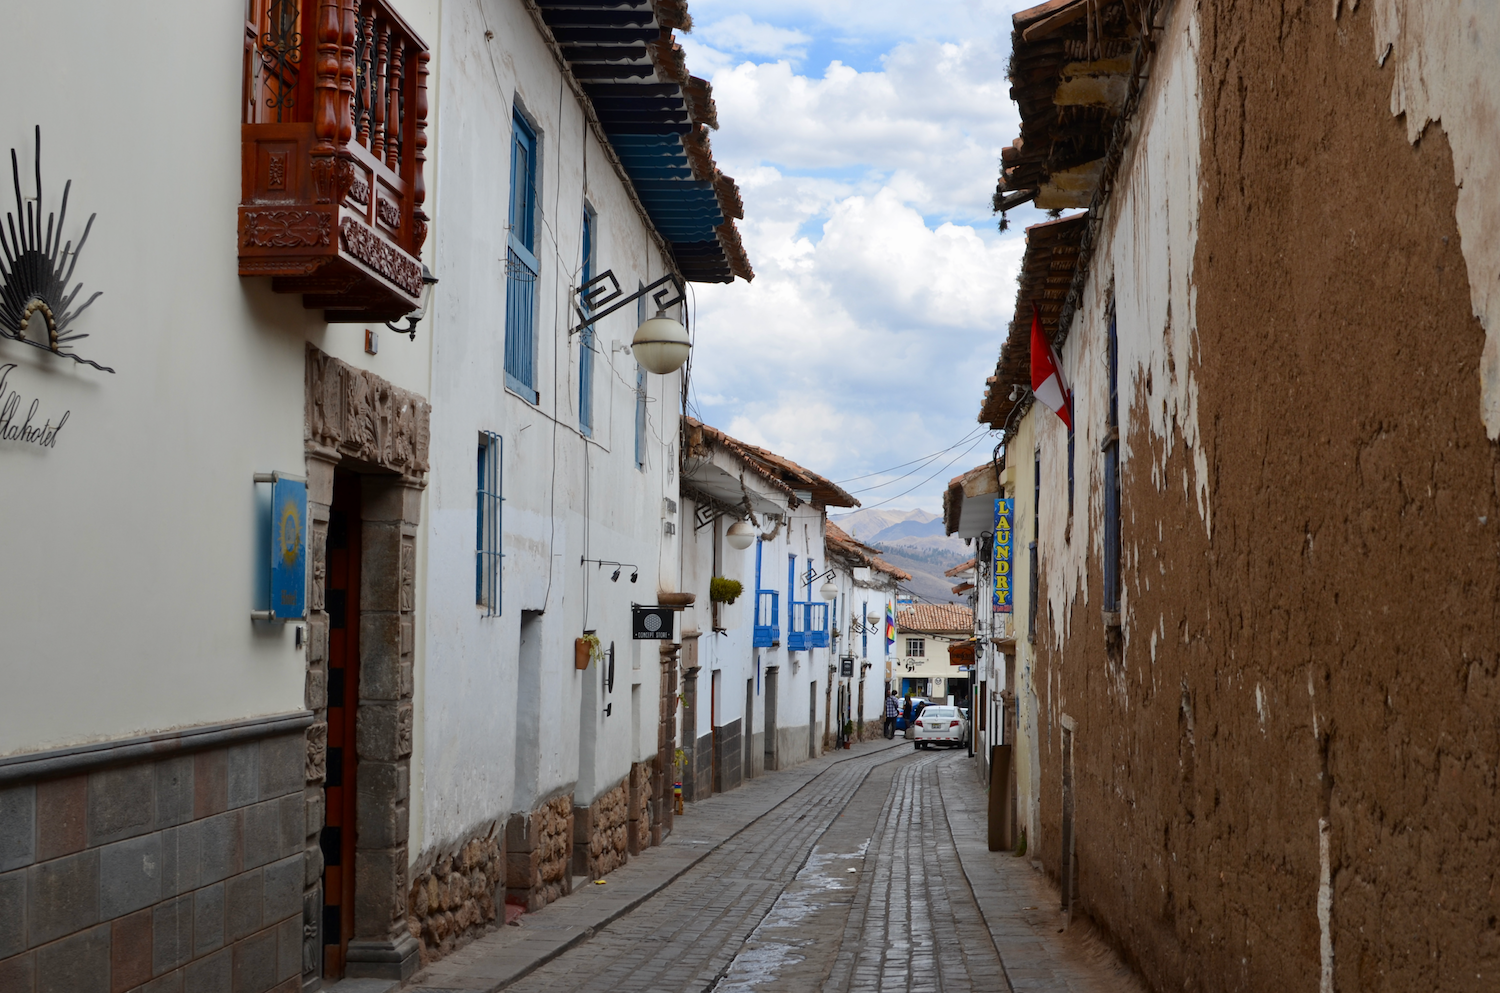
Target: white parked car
(941, 725)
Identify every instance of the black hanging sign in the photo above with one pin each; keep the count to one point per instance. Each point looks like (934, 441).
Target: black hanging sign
(846, 666)
(651, 623)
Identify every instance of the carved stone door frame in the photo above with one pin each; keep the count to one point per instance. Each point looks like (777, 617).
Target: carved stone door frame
(359, 422)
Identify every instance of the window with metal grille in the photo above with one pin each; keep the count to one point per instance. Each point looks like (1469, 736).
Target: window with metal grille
(1112, 476)
(521, 264)
(586, 338)
(487, 554)
(916, 647)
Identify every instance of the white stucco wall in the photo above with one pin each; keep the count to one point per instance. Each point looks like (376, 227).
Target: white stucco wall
(566, 496)
(130, 549)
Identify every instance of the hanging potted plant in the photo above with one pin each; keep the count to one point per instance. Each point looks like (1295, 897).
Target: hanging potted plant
(721, 590)
(585, 650)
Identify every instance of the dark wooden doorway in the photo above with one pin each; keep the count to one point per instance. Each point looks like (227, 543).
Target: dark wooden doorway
(341, 597)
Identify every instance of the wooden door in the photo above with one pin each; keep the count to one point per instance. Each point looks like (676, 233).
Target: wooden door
(341, 598)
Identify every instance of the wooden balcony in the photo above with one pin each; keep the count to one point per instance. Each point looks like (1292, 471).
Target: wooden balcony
(333, 142)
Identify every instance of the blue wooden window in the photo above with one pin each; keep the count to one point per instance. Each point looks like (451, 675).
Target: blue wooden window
(767, 609)
(586, 338)
(487, 554)
(817, 623)
(1112, 477)
(521, 264)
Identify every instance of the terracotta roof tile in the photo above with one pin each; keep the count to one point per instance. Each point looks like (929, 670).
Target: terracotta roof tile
(936, 618)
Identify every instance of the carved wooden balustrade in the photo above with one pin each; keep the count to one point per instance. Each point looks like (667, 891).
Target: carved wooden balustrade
(333, 142)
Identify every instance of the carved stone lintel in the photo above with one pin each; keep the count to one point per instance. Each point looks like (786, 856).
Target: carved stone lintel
(286, 228)
(358, 414)
(380, 255)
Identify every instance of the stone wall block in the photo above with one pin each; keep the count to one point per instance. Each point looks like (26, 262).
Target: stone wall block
(174, 791)
(283, 888)
(171, 934)
(12, 914)
(317, 636)
(121, 803)
(244, 904)
(17, 827)
(313, 818)
(379, 891)
(208, 919)
(315, 762)
(213, 973)
(379, 657)
(244, 774)
(282, 762)
(210, 783)
(382, 732)
(18, 973)
(458, 896)
(255, 963)
(380, 567)
(130, 951)
(77, 964)
(381, 805)
(289, 949)
(291, 817)
(315, 692)
(389, 499)
(219, 846)
(61, 817)
(319, 485)
(129, 875)
(62, 896)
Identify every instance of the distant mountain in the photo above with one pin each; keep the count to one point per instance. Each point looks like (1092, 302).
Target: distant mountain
(912, 540)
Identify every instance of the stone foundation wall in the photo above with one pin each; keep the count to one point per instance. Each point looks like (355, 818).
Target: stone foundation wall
(538, 851)
(456, 898)
(178, 872)
(638, 808)
(600, 843)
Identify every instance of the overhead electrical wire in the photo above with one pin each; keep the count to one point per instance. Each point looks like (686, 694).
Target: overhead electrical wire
(928, 479)
(926, 459)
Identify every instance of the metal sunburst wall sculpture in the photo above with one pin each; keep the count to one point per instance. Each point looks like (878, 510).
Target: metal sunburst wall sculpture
(36, 270)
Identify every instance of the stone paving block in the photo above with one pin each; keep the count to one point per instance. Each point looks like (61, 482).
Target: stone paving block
(129, 875)
(12, 913)
(255, 963)
(174, 791)
(244, 904)
(171, 934)
(210, 783)
(76, 964)
(130, 951)
(214, 974)
(62, 896)
(208, 919)
(17, 827)
(61, 817)
(121, 803)
(18, 973)
(244, 774)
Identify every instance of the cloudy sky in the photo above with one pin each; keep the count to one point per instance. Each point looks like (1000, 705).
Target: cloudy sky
(865, 136)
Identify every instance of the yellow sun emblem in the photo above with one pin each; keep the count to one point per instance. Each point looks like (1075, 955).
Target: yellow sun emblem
(291, 534)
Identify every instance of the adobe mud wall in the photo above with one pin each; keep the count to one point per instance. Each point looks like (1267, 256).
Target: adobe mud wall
(1285, 775)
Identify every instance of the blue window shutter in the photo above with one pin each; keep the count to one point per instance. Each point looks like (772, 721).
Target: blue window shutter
(521, 265)
(586, 338)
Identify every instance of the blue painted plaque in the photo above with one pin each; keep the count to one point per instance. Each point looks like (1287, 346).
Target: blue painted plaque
(289, 549)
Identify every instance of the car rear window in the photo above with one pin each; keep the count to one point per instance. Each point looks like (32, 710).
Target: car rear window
(940, 712)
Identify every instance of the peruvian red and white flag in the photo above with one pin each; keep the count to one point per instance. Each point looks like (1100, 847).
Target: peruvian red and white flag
(1047, 382)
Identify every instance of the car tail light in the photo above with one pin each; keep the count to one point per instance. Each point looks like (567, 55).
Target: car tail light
(953, 724)
(919, 723)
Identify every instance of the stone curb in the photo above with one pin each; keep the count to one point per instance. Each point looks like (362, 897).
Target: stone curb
(583, 930)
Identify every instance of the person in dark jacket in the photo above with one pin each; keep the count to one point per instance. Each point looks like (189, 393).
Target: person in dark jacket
(892, 711)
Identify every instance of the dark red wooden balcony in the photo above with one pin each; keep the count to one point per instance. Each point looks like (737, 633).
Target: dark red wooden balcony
(333, 142)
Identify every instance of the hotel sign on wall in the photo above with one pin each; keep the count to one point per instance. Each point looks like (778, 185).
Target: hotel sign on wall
(1003, 593)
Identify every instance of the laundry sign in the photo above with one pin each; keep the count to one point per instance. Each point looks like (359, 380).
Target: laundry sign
(1003, 592)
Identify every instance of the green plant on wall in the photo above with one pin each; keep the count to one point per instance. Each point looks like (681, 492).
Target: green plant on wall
(596, 650)
(721, 590)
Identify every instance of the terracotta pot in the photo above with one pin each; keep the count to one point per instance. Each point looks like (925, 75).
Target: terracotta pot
(581, 651)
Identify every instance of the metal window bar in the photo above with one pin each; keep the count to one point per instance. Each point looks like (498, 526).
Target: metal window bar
(487, 553)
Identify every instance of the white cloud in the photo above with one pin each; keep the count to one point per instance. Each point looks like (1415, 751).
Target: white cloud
(738, 33)
(882, 287)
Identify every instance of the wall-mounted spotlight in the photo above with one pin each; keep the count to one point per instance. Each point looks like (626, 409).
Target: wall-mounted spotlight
(615, 578)
(634, 575)
(619, 568)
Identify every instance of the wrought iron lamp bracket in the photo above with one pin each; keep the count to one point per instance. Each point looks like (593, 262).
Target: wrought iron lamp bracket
(605, 289)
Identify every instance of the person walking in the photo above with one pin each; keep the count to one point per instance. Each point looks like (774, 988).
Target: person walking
(892, 711)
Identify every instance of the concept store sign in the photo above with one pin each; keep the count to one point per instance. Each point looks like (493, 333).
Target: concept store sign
(24, 422)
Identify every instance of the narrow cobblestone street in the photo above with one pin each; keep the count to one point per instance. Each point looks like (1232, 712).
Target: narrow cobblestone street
(848, 874)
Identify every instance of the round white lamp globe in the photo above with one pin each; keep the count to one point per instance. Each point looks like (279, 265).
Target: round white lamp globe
(828, 590)
(740, 535)
(661, 344)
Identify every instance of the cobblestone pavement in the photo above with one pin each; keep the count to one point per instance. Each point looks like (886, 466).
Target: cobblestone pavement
(851, 874)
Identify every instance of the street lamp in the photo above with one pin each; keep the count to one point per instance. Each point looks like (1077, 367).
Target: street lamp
(740, 534)
(828, 591)
(661, 344)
